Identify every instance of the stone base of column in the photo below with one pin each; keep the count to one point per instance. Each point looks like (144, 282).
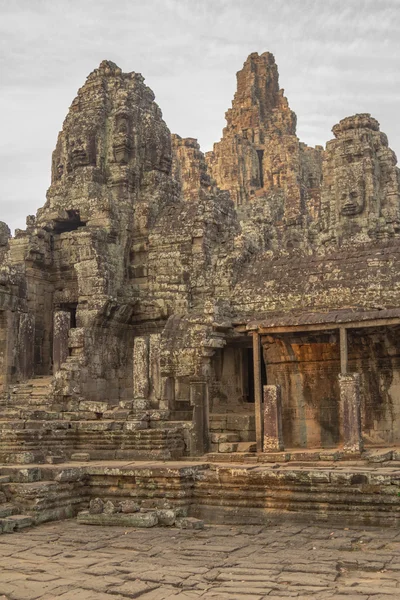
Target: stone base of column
(141, 404)
(273, 439)
(350, 408)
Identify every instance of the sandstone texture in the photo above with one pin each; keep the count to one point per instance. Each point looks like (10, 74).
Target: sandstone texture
(130, 303)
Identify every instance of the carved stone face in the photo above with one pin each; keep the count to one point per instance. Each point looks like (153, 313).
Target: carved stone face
(123, 125)
(352, 201)
(82, 153)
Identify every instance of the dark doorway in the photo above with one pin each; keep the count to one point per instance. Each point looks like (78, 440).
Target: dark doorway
(260, 154)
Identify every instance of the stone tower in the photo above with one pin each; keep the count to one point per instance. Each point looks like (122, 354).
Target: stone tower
(259, 155)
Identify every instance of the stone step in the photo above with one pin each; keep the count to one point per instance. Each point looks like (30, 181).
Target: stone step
(247, 447)
(167, 424)
(15, 523)
(40, 415)
(4, 479)
(80, 456)
(22, 458)
(24, 405)
(7, 509)
(10, 413)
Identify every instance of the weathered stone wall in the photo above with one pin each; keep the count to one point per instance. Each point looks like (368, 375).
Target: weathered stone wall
(365, 278)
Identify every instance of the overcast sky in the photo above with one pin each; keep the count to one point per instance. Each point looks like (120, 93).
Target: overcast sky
(335, 58)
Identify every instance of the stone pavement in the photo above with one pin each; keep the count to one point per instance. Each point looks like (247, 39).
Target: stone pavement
(68, 561)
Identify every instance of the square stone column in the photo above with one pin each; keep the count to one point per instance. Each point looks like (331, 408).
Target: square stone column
(273, 440)
(199, 401)
(257, 361)
(25, 346)
(350, 409)
(141, 372)
(61, 327)
(167, 401)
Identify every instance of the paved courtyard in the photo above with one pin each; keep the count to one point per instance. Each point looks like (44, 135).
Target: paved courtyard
(77, 562)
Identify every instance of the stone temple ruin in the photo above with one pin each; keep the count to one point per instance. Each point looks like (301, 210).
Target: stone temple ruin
(166, 304)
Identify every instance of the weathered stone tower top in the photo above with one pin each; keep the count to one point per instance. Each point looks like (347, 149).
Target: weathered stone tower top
(361, 190)
(258, 102)
(359, 121)
(112, 137)
(259, 158)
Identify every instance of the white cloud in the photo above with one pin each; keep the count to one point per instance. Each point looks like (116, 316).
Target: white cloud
(335, 58)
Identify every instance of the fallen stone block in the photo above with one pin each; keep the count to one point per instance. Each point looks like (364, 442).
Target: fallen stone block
(129, 506)
(139, 519)
(227, 447)
(54, 460)
(166, 517)
(189, 523)
(7, 526)
(96, 506)
(16, 522)
(110, 508)
(80, 456)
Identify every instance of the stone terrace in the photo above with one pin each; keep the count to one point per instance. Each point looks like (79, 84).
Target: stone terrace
(76, 562)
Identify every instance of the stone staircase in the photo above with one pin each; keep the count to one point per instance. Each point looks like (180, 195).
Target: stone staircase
(36, 429)
(30, 399)
(10, 517)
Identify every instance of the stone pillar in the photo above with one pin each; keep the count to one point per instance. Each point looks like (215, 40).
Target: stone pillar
(155, 388)
(8, 329)
(343, 350)
(257, 390)
(350, 404)
(61, 327)
(273, 440)
(141, 372)
(25, 346)
(199, 401)
(167, 401)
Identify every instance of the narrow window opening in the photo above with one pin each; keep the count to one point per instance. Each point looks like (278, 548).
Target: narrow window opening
(73, 223)
(260, 154)
(73, 317)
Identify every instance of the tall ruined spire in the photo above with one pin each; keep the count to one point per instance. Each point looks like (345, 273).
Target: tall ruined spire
(258, 102)
(259, 159)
